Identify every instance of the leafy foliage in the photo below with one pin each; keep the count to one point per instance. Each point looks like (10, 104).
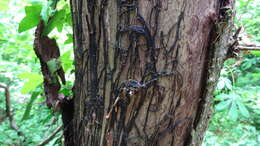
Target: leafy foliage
(31, 19)
(45, 11)
(248, 12)
(20, 69)
(236, 104)
(235, 119)
(34, 80)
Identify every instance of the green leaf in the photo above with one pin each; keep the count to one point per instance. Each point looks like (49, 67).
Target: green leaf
(246, 65)
(69, 19)
(27, 23)
(29, 105)
(31, 19)
(33, 10)
(45, 13)
(228, 84)
(243, 110)
(54, 65)
(34, 80)
(220, 84)
(223, 105)
(222, 97)
(59, 27)
(67, 62)
(70, 39)
(224, 82)
(67, 89)
(57, 18)
(256, 53)
(233, 113)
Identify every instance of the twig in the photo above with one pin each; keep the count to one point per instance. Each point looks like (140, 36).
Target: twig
(49, 138)
(249, 48)
(8, 110)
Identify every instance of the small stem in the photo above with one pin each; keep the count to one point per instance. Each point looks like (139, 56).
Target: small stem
(232, 75)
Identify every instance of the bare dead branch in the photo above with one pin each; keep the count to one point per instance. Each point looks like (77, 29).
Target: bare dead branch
(251, 47)
(237, 33)
(8, 110)
(49, 138)
(2, 86)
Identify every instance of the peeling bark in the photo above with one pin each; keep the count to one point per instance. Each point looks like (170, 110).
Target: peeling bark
(47, 50)
(146, 69)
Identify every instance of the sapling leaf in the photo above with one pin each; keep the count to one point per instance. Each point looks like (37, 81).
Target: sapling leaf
(31, 19)
(243, 110)
(223, 105)
(67, 62)
(56, 19)
(233, 113)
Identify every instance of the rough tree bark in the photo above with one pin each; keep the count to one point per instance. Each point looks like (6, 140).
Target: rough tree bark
(145, 70)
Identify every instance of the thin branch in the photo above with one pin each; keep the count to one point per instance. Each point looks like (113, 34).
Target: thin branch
(8, 109)
(244, 47)
(49, 138)
(248, 47)
(2, 86)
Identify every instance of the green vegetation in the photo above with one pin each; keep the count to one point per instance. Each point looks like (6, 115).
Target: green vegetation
(236, 109)
(20, 69)
(248, 15)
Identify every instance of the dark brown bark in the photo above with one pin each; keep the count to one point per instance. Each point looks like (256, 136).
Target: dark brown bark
(146, 69)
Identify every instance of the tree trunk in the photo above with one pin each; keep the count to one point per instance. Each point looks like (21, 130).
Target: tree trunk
(145, 70)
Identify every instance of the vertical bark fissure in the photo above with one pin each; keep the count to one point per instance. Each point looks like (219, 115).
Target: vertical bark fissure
(93, 48)
(78, 98)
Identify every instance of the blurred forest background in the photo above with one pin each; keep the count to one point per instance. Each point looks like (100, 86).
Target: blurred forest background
(236, 106)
